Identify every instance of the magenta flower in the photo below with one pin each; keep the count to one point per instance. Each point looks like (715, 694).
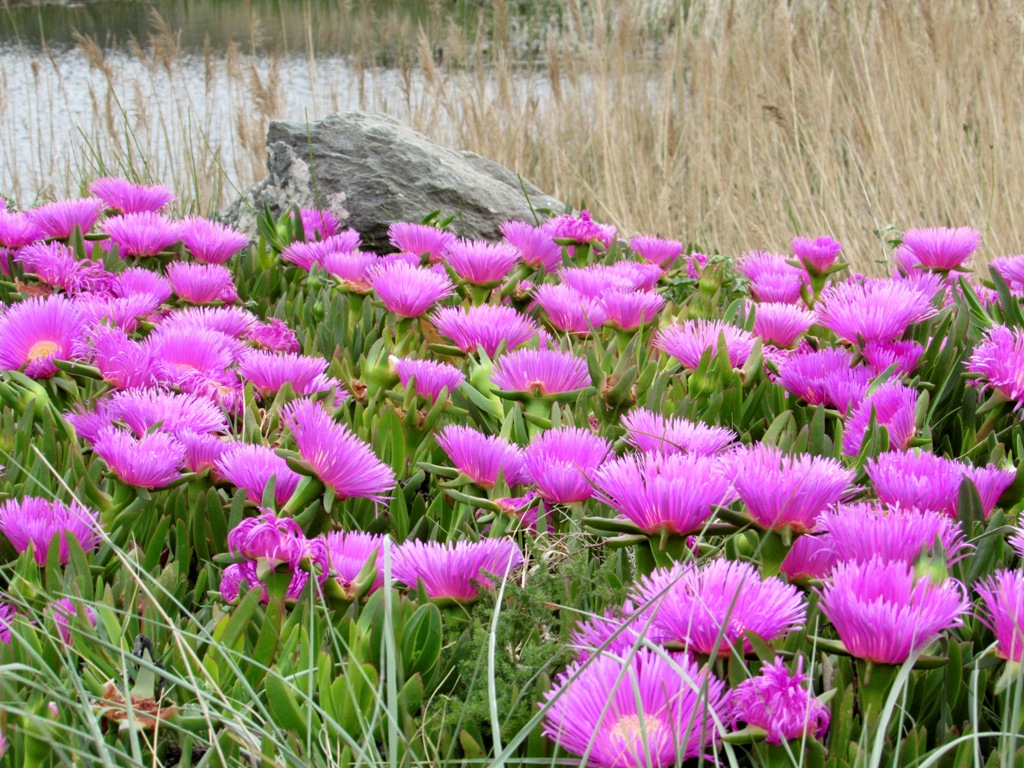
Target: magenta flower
(481, 263)
(818, 254)
(581, 229)
(811, 557)
(689, 340)
(420, 239)
(570, 311)
(825, 377)
(18, 230)
(652, 432)
(904, 354)
(860, 532)
(201, 283)
(628, 310)
(877, 310)
(59, 219)
(536, 248)
(709, 609)
(121, 196)
(941, 248)
(350, 268)
(540, 372)
(894, 406)
(274, 336)
(273, 540)
(639, 712)
(455, 571)
(211, 242)
(32, 521)
(202, 450)
(676, 493)
(35, 332)
(233, 322)
(782, 491)
(656, 250)
(781, 324)
(917, 479)
(1002, 611)
(486, 326)
(990, 481)
(318, 224)
(139, 281)
(772, 278)
(883, 613)
(268, 372)
(482, 457)
(347, 554)
(997, 362)
(409, 291)
(778, 703)
(142, 234)
(251, 467)
(561, 461)
(429, 377)
(342, 461)
(64, 612)
(151, 461)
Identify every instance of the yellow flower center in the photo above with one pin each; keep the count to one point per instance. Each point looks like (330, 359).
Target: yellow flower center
(42, 349)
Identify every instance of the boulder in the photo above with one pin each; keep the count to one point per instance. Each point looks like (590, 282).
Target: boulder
(370, 170)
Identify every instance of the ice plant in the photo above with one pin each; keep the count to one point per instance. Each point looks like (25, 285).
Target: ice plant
(60, 218)
(211, 242)
(652, 432)
(778, 703)
(455, 571)
(876, 311)
(629, 310)
(142, 234)
(570, 311)
(997, 362)
(336, 455)
(479, 262)
(1002, 611)
(893, 406)
(535, 245)
(347, 553)
(561, 461)
(420, 239)
(201, 283)
(429, 377)
(121, 196)
(918, 479)
(941, 249)
(481, 457)
(709, 609)
(656, 250)
(270, 540)
(883, 613)
(151, 461)
(642, 711)
(540, 372)
(817, 255)
(409, 291)
(674, 494)
(34, 522)
(251, 468)
(486, 326)
(689, 340)
(37, 331)
(860, 532)
(781, 324)
(787, 492)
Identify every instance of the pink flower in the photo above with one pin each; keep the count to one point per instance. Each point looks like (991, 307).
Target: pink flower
(561, 461)
(35, 522)
(487, 326)
(1002, 611)
(429, 377)
(480, 457)
(883, 613)
(941, 248)
(536, 248)
(689, 340)
(35, 332)
(122, 196)
(652, 432)
(455, 571)
(142, 234)
(540, 372)
(201, 283)
(59, 219)
(777, 702)
(211, 242)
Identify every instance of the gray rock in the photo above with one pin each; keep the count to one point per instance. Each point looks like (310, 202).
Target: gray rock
(370, 170)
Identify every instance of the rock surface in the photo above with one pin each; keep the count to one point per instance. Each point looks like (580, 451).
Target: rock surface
(369, 170)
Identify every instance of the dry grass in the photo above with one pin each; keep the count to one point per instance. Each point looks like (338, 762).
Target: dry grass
(734, 127)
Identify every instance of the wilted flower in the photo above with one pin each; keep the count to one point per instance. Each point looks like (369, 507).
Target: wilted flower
(883, 613)
(409, 291)
(251, 467)
(818, 254)
(63, 612)
(639, 712)
(455, 571)
(710, 609)
(1002, 595)
(142, 234)
(121, 196)
(420, 239)
(688, 341)
(560, 462)
(790, 492)
(570, 311)
(482, 457)
(151, 461)
(535, 245)
(431, 377)
(274, 540)
(59, 219)
(211, 242)
(540, 372)
(337, 456)
(652, 432)
(676, 493)
(998, 360)
(201, 283)
(656, 250)
(941, 248)
(486, 325)
(878, 310)
(893, 406)
(777, 702)
(37, 331)
(34, 521)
